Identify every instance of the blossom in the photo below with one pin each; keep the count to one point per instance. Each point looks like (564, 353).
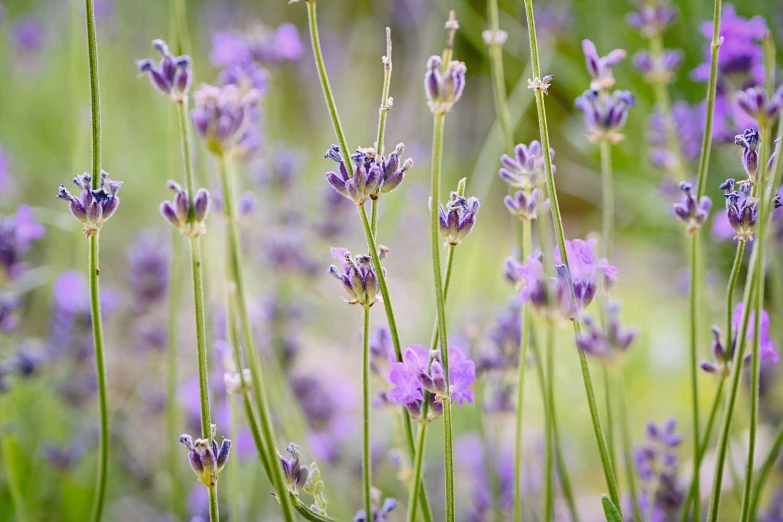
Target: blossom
(206, 459)
(93, 207)
(222, 115)
(172, 76)
(458, 218)
(688, 126)
(443, 87)
(723, 352)
(185, 213)
(689, 211)
(372, 175)
(524, 169)
(657, 463)
(605, 114)
(658, 69)
(652, 17)
(767, 349)
(358, 277)
(584, 269)
(605, 344)
(600, 67)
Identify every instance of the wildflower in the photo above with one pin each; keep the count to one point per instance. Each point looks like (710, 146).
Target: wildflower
(498, 37)
(443, 87)
(759, 106)
(741, 58)
(489, 469)
(148, 272)
(742, 209)
(358, 277)
(524, 169)
(523, 205)
(723, 352)
(605, 115)
(186, 214)
(458, 218)
(206, 459)
(548, 296)
(93, 207)
(372, 175)
(221, 115)
(658, 69)
(380, 512)
(749, 141)
(600, 68)
(691, 212)
(583, 270)
(686, 121)
(172, 76)
(652, 17)
(511, 270)
(295, 472)
(605, 345)
(541, 84)
(16, 235)
(657, 464)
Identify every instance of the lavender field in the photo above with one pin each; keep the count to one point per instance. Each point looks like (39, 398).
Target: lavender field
(391, 260)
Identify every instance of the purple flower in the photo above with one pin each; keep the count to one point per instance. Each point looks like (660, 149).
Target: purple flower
(380, 511)
(229, 48)
(222, 115)
(652, 18)
(524, 169)
(172, 76)
(604, 345)
(605, 114)
(741, 209)
(766, 346)
(550, 297)
(93, 207)
(295, 472)
(523, 205)
(691, 212)
(657, 464)
(372, 176)
(206, 458)
(28, 37)
(473, 455)
(458, 218)
(658, 69)
(289, 45)
(723, 352)
(688, 123)
(749, 141)
(184, 213)
(600, 67)
(148, 272)
(358, 277)
(583, 270)
(740, 60)
(443, 87)
(759, 106)
(246, 76)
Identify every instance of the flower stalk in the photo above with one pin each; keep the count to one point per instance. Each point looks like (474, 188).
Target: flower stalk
(366, 456)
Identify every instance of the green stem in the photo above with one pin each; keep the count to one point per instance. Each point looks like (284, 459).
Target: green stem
(766, 469)
(327, 88)
(366, 457)
(706, 146)
(12, 478)
(524, 340)
(384, 109)
(607, 213)
(232, 468)
(694, 365)
(610, 445)
(625, 425)
(498, 76)
(93, 268)
(558, 223)
(183, 35)
(550, 401)
(172, 407)
(239, 288)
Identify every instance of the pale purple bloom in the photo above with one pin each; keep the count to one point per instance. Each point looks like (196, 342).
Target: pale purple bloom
(652, 18)
(287, 42)
(605, 114)
(358, 276)
(658, 69)
(16, 234)
(28, 36)
(767, 349)
(148, 272)
(458, 217)
(584, 269)
(471, 455)
(222, 116)
(524, 169)
(171, 76)
(602, 343)
(691, 212)
(600, 67)
(657, 463)
(759, 105)
(229, 48)
(688, 124)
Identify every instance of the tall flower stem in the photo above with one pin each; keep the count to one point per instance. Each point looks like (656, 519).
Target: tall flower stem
(756, 360)
(607, 207)
(198, 300)
(558, 223)
(238, 289)
(383, 112)
(368, 232)
(435, 240)
(608, 394)
(706, 146)
(694, 363)
(625, 426)
(172, 406)
(549, 484)
(93, 269)
(366, 457)
(766, 469)
(498, 76)
(18, 504)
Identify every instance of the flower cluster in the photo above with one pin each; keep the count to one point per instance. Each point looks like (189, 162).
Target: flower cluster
(206, 459)
(723, 353)
(222, 116)
(652, 17)
(186, 214)
(93, 207)
(305, 478)
(416, 380)
(584, 270)
(760, 106)
(372, 175)
(605, 344)
(600, 67)
(16, 235)
(358, 276)
(742, 209)
(458, 217)
(749, 141)
(605, 114)
(171, 76)
(657, 463)
(443, 86)
(658, 69)
(691, 212)
(686, 120)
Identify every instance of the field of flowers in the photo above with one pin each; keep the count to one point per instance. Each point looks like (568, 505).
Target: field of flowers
(386, 260)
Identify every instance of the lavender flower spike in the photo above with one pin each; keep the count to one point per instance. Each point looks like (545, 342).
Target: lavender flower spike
(206, 459)
(443, 87)
(295, 472)
(458, 218)
(358, 277)
(523, 205)
(186, 214)
(605, 115)
(526, 167)
(600, 67)
(658, 70)
(690, 212)
(723, 353)
(759, 106)
(172, 76)
(605, 344)
(741, 209)
(584, 270)
(657, 463)
(371, 176)
(652, 18)
(749, 141)
(93, 207)
(380, 511)
(221, 115)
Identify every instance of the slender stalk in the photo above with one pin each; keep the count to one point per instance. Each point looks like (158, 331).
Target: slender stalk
(183, 35)
(93, 269)
(383, 112)
(366, 457)
(625, 425)
(327, 88)
(416, 483)
(233, 466)
(525, 338)
(607, 213)
(550, 401)
(694, 365)
(706, 146)
(558, 223)
(766, 469)
(172, 406)
(435, 239)
(610, 445)
(239, 288)
(18, 505)
(498, 76)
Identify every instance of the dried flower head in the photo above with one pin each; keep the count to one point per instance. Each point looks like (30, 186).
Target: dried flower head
(541, 84)
(93, 207)
(171, 76)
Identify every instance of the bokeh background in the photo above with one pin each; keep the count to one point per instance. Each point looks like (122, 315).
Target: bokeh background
(309, 337)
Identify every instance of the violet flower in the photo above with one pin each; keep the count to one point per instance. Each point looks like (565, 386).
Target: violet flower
(295, 472)
(749, 141)
(184, 213)
(723, 357)
(742, 209)
(172, 76)
(148, 272)
(358, 277)
(583, 270)
(549, 297)
(652, 17)
(526, 168)
(380, 511)
(222, 115)
(443, 87)
(458, 218)
(28, 37)
(658, 69)
(372, 176)
(16, 234)
(657, 463)
(600, 67)
(687, 120)
(758, 105)
(206, 459)
(93, 207)
(691, 212)
(605, 114)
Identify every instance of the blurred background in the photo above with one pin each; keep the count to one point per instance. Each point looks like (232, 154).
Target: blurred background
(291, 217)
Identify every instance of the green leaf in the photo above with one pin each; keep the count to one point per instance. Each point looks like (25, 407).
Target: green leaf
(610, 510)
